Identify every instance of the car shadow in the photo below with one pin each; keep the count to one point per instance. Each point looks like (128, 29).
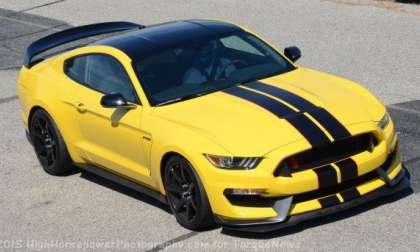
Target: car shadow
(323, 220)
(408, 1)
(124, 190)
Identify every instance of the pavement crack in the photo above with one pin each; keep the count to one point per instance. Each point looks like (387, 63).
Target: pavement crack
(36, 7)
(411, 111)
(166, 244)
(388, 5)
(32, 33)
(10, 68)
(413, 160)
(9, 18)
(8, 99)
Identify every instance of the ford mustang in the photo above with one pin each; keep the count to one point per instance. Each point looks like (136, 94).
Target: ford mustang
(209, 118)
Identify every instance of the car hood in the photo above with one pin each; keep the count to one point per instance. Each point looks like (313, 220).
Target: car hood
(246, 129)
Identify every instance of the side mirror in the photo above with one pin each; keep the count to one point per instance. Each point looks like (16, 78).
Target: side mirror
(292, 53)
(115, 100)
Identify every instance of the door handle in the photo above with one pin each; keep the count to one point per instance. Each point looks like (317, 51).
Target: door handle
(81, 107)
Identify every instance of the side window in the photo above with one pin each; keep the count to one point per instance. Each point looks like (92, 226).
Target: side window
(105, 74)
(75, 68)
(237, 43)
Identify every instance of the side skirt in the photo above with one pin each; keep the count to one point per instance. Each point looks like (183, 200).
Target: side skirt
(123, 181)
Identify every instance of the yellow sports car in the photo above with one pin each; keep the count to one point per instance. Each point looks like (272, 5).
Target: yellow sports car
(208, 117)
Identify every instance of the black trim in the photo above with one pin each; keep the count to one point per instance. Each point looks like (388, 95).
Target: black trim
(327, 176)
(116, 178)
(282, 170)
(72, 34)
(350, 194)
(328, 201)
(328, 121)
(314, 135)
(348, 169)
(402, 182)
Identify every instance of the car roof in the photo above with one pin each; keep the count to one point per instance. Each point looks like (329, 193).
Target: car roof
(155, 37)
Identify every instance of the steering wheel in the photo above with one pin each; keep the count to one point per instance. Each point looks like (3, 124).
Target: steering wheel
(233, 62)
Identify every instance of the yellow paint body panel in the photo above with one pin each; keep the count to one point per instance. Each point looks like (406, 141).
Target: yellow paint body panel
(217, 123)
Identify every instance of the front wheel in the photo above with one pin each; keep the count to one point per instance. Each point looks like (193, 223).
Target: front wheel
(186, 195)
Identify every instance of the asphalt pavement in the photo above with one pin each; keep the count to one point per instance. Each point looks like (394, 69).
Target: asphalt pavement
(374, 44)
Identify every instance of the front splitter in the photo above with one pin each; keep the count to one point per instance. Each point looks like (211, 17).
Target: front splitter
(402, 184)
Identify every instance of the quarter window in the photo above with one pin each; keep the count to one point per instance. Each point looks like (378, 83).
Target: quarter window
(75, 69)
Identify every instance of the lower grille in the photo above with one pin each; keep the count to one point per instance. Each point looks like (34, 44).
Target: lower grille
(251, 200)
(336, 188)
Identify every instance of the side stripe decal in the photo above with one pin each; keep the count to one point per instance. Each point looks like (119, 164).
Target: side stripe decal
(331, 200)
(348, 169)
(327, 176)
(350, 194)
(328, 121)
(301, 122)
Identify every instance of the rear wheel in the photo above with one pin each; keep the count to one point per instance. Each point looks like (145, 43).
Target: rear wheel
(49, 144)
(186, 195)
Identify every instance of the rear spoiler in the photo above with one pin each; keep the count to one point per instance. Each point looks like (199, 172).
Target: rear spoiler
(72, 34)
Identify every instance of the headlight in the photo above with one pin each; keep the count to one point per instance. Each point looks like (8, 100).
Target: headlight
(233, 162)
(384, 121)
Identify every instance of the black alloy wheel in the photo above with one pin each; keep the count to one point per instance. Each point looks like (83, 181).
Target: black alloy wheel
(49, 144)
(186, 195)
(44, 141)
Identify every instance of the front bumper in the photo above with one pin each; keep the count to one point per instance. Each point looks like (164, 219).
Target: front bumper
(397, 184)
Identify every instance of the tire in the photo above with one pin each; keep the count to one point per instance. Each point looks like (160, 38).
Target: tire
(186, 195)
(49, 145)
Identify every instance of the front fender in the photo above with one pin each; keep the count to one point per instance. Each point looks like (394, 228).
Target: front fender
(186, 142)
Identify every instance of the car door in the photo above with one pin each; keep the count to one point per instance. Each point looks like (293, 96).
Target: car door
(112, 138)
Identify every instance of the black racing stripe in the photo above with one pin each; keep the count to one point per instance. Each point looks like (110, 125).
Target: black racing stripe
(309, 130)
(350, 194)
(296, 101)
(327, 176)
(328, 121)
(348, 169)
(275, 107)
(329, 201)
(314, 135)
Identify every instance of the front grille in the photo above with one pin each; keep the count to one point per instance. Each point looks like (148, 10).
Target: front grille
(259, 201)
(326, 154)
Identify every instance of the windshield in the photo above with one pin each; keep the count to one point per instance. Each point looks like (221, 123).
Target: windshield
(199, 67)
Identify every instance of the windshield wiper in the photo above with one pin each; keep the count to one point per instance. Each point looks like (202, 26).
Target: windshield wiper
(182, 98)
(248, 80)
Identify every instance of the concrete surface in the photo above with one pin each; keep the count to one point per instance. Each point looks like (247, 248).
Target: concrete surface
(378, 47)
